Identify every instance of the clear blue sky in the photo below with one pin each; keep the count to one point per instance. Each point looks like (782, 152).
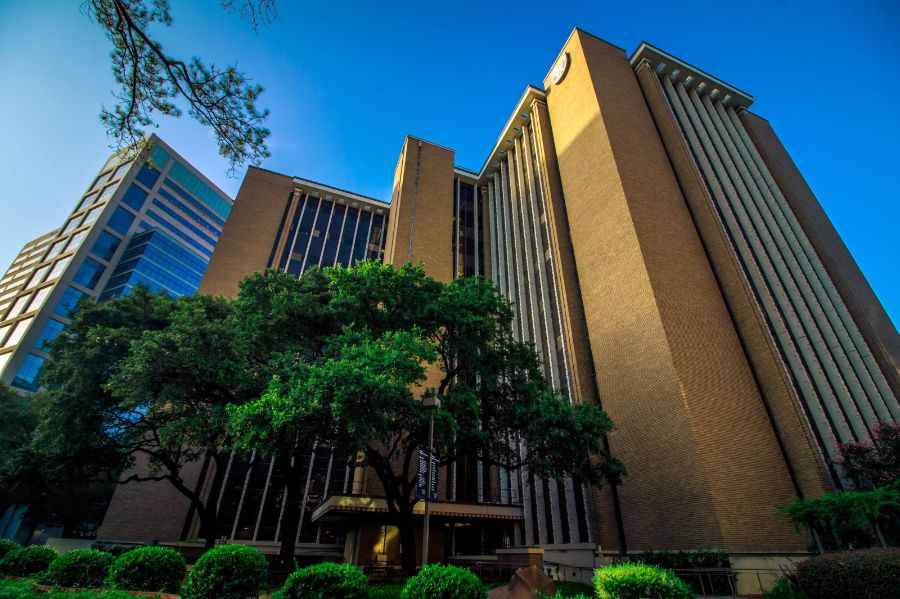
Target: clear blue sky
(346, 81)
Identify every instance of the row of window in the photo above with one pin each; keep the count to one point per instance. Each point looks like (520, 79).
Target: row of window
(170, 227)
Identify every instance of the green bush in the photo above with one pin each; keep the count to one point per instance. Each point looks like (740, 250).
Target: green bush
(152, 569)
(27, 561)
(85, 568)
(227, 572)
(784, 589)
(714, 583)
(863, 574)
(435, 581)
(325, 581)
(639, 581)
(7, 546)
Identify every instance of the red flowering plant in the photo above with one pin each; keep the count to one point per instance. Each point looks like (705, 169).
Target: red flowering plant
(870, 514)
(875, 464)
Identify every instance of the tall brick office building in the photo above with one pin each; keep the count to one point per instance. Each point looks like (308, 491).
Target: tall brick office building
(667, 260)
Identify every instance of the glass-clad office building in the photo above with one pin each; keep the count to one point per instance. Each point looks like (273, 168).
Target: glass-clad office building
(154, 220)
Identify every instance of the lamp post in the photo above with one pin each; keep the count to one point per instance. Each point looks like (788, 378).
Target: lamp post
(431, 404)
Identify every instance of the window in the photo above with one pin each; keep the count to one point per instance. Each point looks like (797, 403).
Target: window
(48, 334)
(28, 377)
(58, 268)
(68, 302)
(18, 306)
(71, 225)
(18, 332)
(38, 277)
(86, 201)
(39, 298)
(134, 197)
(4, 358)
(121, 170)
(120, 221)
(148, 176)
(56, 249)
(75, 241)
(92, 215)
(106, 245)
(3, 331)
(107, 191)
(89, 273)
(100, 180)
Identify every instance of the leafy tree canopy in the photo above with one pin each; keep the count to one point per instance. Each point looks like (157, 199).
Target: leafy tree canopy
(390, 337)
(151, 81)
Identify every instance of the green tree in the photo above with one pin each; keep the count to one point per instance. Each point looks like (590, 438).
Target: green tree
(151, 81)
(19, 415)
(74, 452)
(401, 336)
(176, 381)
(868, 515)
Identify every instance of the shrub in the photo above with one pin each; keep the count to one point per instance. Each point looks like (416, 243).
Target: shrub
(152, 569)
(326, 581)
(860, 574)
(27, 561)
(443, 582)
(784, 589)
(639, 581)
(716, 583)
(86, 568)
(7, 546)
(227, 572)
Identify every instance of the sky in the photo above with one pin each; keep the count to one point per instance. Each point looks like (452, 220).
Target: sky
(346, 81)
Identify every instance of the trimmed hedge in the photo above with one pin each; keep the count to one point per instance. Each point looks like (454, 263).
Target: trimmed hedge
(862, 574)
(435, 581)
(84, 568)
(714, 583)
(6, 546)
(639, 581)
(152, 569)
(27, 561)
(327, 580)
(227, 572)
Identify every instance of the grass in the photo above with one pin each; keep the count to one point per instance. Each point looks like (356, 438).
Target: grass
(24, 589)
(388, 590)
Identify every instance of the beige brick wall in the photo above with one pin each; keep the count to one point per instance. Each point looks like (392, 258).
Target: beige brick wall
(771, 375)
(148, 511)
(705, 468)
(249, 234)
(421, 223)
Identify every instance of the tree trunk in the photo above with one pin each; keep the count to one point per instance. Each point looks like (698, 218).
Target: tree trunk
(407, 529)
(208, 528)
(290, 521)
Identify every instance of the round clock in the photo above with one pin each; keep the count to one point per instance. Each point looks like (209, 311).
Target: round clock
(560, 68)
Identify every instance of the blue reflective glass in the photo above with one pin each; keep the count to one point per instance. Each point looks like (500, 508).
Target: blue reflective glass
(89, 273)
(162, 220)
(48, 334)
(190, 200)
(120, 220)
(68, 302)
(106, 245)
(28, 377)
(185, 222)
(148, 176)
(134, 197)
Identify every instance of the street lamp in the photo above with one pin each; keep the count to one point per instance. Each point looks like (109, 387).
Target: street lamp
(431, 404)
